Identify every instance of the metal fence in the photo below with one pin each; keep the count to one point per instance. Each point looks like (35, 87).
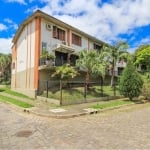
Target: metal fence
(72, 92)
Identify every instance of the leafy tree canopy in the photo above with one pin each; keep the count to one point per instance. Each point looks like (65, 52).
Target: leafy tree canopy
(142, 55)
(64, 72)
(130, 83)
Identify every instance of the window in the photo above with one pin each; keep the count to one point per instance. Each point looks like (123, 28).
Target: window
(76, 39)
(97, 47)
(58, 33)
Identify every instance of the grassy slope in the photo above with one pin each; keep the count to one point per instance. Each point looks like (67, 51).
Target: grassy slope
(112, 104)
(78, 93)
(13, 100)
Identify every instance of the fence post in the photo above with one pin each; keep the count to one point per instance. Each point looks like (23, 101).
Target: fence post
(47, 89)
(60, 92)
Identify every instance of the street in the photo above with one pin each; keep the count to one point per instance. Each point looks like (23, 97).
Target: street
(123, 128)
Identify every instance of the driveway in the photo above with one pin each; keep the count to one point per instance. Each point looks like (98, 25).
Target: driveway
(124, 128)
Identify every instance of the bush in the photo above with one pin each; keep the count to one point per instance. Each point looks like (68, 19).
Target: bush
(130, 84)
(146, 90)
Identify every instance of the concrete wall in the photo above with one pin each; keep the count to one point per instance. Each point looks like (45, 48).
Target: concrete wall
(23, 72)
(46, 36)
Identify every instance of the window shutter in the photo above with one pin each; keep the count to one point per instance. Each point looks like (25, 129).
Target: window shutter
(55, 32)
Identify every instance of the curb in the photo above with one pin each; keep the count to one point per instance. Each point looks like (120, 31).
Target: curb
(65, 116)
(60, 116)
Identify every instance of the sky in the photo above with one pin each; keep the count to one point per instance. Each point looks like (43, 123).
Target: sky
(107, 20)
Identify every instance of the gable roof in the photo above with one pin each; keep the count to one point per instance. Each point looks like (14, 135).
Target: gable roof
(41, 14)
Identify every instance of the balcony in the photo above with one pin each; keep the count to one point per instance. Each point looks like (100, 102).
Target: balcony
(63, 48)
(63, 54)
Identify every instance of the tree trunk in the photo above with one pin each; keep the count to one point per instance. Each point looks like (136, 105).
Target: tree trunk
(60, 92)
(102, 86)
(87, 80)
(112, 74)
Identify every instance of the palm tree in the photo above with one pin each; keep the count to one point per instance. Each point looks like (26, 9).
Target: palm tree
(64, 72)
(119, 50)
(93, 62)
(100, 65)
(86, 61)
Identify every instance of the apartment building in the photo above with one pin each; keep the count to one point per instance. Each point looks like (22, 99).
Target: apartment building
(41, 32)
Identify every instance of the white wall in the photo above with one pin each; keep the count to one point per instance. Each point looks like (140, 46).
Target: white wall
(22, 50)
(46, 36)
(26, 48)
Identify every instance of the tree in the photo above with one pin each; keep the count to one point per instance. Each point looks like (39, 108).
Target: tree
(130, 84)
(5, 66)
(93, 62)
(64, 72)
(119, 50)
(142, 56)
(100, 65)
(86, 61)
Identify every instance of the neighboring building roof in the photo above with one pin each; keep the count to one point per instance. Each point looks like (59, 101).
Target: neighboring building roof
(41, 14)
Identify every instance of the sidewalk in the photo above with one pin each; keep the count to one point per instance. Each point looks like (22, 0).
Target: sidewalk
(49, 110)
(46, 109)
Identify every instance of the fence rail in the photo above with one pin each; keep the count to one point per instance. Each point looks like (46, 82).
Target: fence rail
(71, 92)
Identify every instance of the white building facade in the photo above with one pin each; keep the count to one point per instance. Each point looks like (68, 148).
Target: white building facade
(38, 33)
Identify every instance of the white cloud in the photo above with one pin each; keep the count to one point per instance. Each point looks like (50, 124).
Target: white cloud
(17, 1)
(5, 45)
(11, 23)
(105, 22)
(2, 27)
(145, 40)
(32, 9)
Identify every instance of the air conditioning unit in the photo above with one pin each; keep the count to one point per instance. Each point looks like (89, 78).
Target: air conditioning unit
(48, 27)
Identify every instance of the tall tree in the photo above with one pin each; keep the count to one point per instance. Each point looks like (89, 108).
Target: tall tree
(142, 56)
(86, 61)
(130, 84)
(5, 65)
(119, 50)
(100, 65)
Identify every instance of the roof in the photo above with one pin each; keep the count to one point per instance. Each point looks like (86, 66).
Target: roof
(41, 14)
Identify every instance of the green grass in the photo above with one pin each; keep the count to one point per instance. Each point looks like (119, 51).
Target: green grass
(15, 101)
(75, 93)
(114, 103)
(10, 92)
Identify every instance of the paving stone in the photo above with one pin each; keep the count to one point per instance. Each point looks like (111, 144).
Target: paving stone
(124, 128)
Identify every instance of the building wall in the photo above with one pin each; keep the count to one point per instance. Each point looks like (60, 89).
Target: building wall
(23, 57)
(28, 47)
(47, 37)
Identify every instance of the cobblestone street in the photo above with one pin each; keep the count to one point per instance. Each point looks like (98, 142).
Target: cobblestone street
(123, 128)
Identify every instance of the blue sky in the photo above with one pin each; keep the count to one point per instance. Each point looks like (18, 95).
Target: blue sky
(108, 20)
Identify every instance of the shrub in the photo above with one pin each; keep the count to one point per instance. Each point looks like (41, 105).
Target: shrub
(146, 91)
(130, 84)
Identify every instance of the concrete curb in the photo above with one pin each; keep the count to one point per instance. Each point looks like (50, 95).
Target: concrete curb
(65, 116)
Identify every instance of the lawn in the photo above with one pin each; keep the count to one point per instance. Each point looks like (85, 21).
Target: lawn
(15, 101)
(112, 104)
(76, 93)
(10, 92)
